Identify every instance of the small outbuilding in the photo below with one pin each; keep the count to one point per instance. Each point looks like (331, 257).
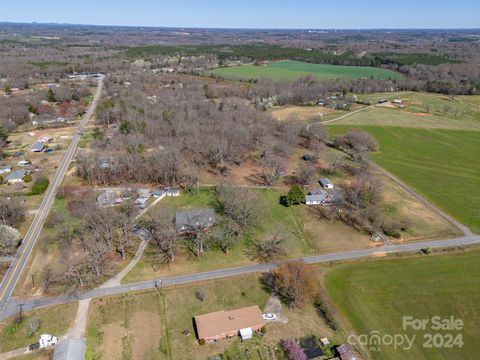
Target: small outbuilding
(326, 183)
(5, 170)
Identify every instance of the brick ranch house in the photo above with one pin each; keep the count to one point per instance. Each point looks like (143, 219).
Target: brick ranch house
(223, 324)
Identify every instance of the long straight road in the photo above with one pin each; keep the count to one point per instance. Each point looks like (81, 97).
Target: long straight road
(11, 309)
(16, 268)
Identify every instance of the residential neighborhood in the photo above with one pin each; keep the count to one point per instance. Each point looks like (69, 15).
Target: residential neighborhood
(239, 180)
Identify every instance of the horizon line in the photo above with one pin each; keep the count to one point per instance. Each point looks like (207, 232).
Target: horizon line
(233, 28)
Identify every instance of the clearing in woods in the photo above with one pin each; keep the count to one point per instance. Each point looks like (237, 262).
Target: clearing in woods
(291, 70)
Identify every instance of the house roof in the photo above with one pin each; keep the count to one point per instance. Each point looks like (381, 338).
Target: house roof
(221, 322)
(314, 198)
(17, 174)
(38, 146)
(347, 352)
(194, 218)
(318, 192)
(325, 181)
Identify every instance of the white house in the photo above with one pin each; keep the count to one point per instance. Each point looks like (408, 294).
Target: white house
(172, 192)
(23, 163)
(397, 101)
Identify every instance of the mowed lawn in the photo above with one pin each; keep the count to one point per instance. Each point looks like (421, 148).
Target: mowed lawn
(290, 70)
(151, 324)
(443, 165)
(375, 295)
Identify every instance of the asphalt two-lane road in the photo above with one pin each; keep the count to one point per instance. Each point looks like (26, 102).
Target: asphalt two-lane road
(16, 268)
(12, 306)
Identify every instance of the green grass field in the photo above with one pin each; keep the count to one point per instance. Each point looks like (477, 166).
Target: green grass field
(443, 165)
(290, 70)
(375, 295)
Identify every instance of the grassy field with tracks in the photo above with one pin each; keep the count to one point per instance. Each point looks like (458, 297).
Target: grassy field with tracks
(290, 70)
(443, 165)
(375, 295)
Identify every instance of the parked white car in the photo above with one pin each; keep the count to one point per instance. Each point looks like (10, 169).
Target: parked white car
(269, 317)
(47, 340)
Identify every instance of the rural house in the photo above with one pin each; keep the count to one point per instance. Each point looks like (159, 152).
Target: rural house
(172, 192)
(37, 147)
(16, 176)
(187, 221)
(326, 183)
(317, 197)
(222, 324)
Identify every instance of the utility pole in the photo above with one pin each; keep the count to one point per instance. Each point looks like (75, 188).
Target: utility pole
(20, 317)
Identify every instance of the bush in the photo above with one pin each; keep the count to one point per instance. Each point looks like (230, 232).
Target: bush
(295, 196)
(40, 185)
(28, 178)
(201, 342)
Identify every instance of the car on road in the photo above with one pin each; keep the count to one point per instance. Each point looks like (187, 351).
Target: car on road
(269, 317)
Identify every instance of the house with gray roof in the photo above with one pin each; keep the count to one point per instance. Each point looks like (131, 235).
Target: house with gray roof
(37, 147)
(188, 221)
(16, 176)
(317, 197)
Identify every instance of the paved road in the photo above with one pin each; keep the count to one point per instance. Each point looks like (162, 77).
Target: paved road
(17, 266)
(11, 308)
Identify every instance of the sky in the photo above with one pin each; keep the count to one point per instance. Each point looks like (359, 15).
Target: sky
(283, 14)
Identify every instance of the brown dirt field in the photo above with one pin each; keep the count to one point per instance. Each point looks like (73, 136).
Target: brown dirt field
(415, 113)
(141, 323)
(303, 113)
(112, 344)
(424, 223)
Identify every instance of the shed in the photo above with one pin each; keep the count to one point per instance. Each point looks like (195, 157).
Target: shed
(5, 169)
(326, 183)
(246, 333)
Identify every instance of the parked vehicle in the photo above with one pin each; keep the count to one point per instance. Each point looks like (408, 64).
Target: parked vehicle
(269, 316)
